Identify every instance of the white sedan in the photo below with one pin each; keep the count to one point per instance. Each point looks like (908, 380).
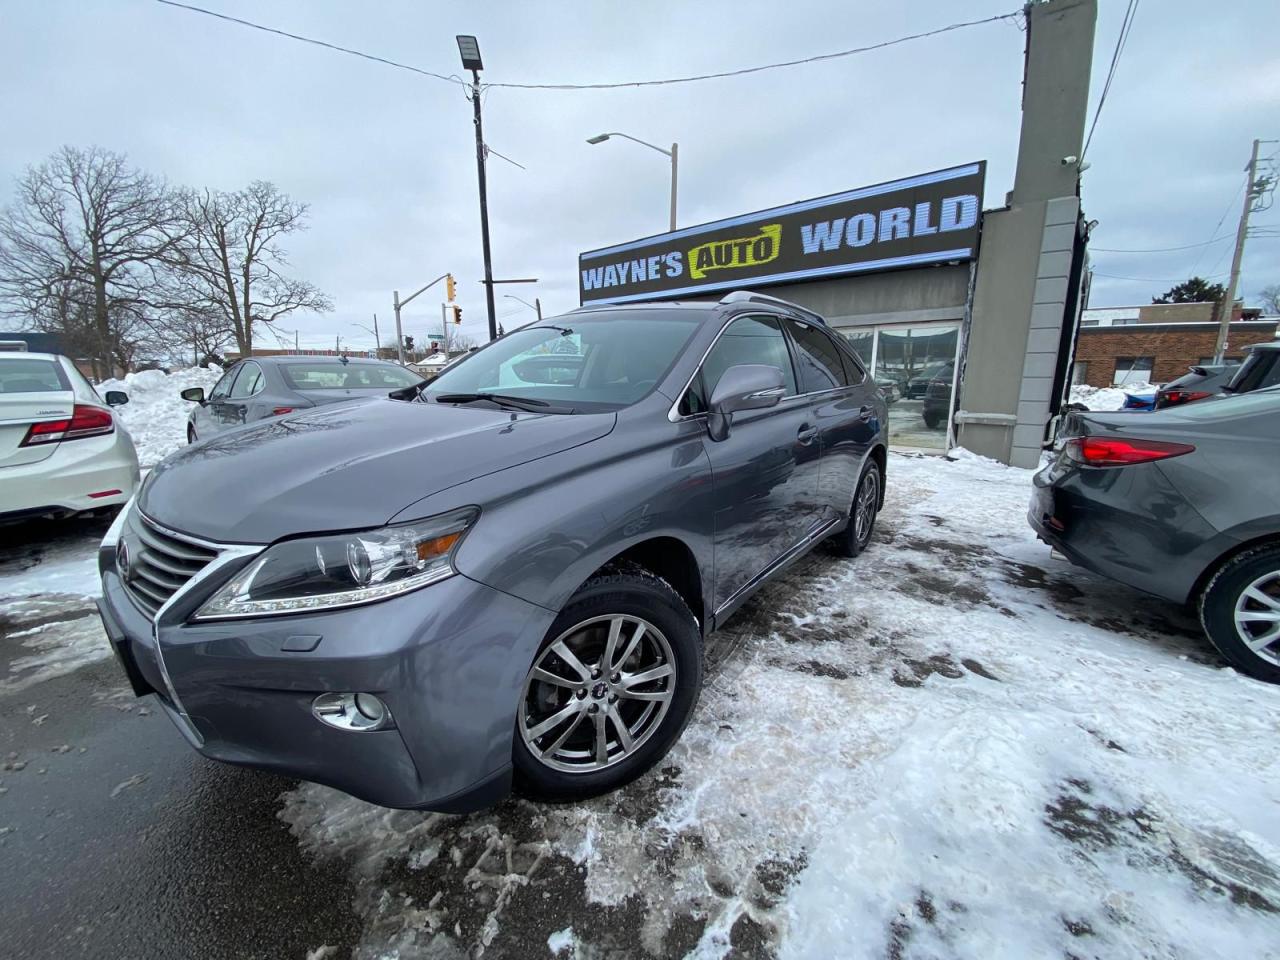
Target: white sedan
(62, 450)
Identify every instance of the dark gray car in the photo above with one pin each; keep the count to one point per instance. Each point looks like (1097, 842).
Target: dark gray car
(1183, 503)
(262, 387)
(1201, 381)
(505, 574)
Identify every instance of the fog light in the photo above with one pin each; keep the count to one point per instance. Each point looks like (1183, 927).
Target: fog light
(352, 711)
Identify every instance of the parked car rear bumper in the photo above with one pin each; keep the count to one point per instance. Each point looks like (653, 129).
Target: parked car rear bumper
(1126, 523)
(63, 481)
(447, 660)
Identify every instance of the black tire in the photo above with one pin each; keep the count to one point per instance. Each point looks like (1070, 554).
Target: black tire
(191, 434)
(849, 542)
(931, 420)
(631, 592)
(1218, 612)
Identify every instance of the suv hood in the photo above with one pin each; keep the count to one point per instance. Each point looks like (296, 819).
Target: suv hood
(346, 466)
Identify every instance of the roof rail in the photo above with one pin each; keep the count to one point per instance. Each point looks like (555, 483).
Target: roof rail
(744, 296)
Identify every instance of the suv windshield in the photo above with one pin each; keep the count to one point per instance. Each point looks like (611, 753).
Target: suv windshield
(582, 363)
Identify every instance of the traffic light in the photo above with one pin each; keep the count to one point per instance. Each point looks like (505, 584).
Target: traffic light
(450, 287)
(408, 343)
(457, 313)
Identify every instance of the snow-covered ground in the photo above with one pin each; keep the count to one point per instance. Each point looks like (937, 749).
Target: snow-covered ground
(48, 623)
(156, 416)
(1106, 398)
(951, 747)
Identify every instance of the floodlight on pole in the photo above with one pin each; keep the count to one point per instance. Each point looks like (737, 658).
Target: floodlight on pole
(469, 48)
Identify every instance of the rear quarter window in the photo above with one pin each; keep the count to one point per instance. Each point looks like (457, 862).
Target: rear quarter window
(29, 375)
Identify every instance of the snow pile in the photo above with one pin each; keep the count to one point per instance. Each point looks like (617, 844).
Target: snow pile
(156, 416)
(1106, 398)
(953, 746)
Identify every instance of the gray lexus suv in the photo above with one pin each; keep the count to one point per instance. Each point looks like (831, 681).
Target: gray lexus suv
(505, 575)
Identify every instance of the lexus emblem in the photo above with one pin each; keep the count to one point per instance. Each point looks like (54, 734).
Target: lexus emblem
(122, 560)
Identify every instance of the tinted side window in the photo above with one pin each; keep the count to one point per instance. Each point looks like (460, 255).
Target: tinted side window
(694, 399)
(748, 340)
(248, 383)
(820, 361)
(853, 371)
(221, 388)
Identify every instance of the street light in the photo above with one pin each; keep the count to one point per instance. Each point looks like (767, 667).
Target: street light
(673, 153)
(536, 305)
(374, 331)
(469, 50)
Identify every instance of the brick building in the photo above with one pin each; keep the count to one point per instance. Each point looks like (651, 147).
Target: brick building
(1157, 352)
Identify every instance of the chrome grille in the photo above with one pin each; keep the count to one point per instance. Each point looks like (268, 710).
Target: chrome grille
(160, 562)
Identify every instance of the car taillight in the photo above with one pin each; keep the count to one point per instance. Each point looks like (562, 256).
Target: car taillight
(1175, 397)
(86, 421)
(1117, 452)
(281, 411)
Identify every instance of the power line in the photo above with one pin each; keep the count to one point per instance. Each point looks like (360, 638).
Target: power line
(1189, 246)
(1221, 220)
(1121, 41)
(768, 66)
(1013, 16)
(311, 40)
(1112, 276)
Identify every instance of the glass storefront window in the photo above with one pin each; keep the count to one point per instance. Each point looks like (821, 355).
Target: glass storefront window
(914, 368)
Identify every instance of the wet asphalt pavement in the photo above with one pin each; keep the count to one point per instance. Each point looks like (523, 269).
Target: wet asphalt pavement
(117, 840)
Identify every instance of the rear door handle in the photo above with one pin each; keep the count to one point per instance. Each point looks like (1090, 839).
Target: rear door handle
(866, 413)
(807, 434)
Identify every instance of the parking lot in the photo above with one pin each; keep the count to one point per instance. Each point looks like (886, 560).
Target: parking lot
(953, 746)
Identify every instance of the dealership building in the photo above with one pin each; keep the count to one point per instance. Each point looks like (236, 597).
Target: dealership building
(936, 290)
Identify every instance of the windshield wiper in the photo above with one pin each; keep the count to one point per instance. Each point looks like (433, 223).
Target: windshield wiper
(499, 399)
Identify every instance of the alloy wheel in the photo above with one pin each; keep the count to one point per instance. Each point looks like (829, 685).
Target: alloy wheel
(1257, 616)
(597, 693)
(864, 506)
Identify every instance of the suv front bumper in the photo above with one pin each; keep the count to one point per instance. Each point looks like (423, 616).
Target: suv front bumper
(449, 661)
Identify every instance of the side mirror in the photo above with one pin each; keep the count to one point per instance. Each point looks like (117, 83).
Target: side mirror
(116, 398)
(745, 386)
(194, 394)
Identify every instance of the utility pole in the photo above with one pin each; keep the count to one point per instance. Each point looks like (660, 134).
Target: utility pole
(484, 207)
(295, 342)
(469, 51)
(377, 341)
(1227, 307)
(444, 326)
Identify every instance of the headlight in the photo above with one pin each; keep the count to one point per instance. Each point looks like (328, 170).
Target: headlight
(319, 573)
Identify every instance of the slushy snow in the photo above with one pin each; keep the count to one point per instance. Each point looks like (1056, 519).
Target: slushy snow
(953, 746)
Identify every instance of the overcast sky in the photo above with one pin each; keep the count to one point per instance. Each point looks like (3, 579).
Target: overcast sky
(386, 158)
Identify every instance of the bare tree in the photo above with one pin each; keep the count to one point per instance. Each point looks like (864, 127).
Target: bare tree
(88, 233)
(1270, 297)
(198, 336)
(233, 261)
(461, 342)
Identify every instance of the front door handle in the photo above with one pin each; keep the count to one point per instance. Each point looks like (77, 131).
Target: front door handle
(866, 413)
(807, 434)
